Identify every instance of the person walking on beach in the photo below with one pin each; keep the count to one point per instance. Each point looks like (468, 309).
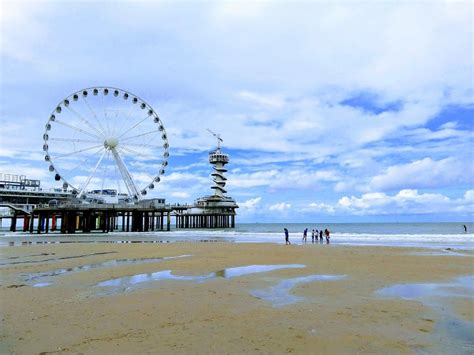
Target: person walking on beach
(305, 235)
(287, 236)
(312, 236)
(326, 233)
(321, 236)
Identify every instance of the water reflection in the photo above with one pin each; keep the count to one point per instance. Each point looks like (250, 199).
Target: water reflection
(127, 283)
(425, 292)
(87, 267)
(452, 333)
(254, 269)
(280, 294)
(42, 284)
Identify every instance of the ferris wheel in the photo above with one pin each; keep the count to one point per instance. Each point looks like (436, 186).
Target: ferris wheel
(103, 140)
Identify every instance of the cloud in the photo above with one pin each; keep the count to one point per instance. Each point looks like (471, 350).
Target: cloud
(318, 207)
(425, 173)
(265, 101)
(180, 194)
(250, 204)
(279, 206)
(278, 179)
(404, 202)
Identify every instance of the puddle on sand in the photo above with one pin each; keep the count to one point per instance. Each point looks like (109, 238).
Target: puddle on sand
(452, 334)
(424, 292)
(127, 283)
(56, 259)
(254, 269)
(42, 284)
(130, 281)
(105, 264)
(280, 295)
(442, 252)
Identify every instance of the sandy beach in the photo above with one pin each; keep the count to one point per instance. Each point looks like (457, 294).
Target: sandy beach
(206, 303)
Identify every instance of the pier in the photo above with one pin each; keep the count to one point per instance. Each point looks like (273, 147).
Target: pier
(70, 210)
(89, 219)
(104, 218)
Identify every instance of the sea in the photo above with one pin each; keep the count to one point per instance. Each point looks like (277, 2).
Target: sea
(427, 235)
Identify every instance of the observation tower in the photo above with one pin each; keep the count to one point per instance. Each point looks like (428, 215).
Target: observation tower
(218, 160)
(217, 210)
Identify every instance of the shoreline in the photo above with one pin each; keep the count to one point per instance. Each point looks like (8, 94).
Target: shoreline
(194, 308)
(433, 241)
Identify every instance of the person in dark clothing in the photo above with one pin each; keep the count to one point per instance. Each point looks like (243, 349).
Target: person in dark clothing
(326, 233)
(321, 236)
(287, 236)
(465, 228)
(305, 235)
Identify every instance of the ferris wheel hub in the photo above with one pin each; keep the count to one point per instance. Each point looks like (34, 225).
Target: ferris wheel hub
(110, 142)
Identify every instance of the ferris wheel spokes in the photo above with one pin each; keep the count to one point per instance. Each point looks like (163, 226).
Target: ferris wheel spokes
(81, 191)
(126, 119)
(139, 135)
(132, 151)
(77, 129)
(133, 127)
(129, 184)
(76, 140)
(145, 145)
(100, 132)
(76, 152)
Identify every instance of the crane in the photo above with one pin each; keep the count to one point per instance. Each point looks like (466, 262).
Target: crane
(219, 139)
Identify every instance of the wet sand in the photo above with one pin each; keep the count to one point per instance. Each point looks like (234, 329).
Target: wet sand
(341, 313)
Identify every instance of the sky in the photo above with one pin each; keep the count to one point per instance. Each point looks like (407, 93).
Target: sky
(347, 111)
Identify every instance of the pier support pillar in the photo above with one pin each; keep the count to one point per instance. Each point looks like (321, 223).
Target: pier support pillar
(40, 223)
(147, 222)
(63, 222)
(26, 222)
(46, 229)
(32, 222)
(13, 223)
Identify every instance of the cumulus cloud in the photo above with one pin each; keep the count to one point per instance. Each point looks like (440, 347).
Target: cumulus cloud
(318, 207)
(250, 204)
(405, 201)
(279, 206)
(286, 178)
(424, 173)
(180, 194)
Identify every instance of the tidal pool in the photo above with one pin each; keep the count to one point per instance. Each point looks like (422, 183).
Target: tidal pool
(253, 269)
(453, 334)
(423, 292)
(87, 267)
(127, 283)
(280, 294)
(42, 284)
